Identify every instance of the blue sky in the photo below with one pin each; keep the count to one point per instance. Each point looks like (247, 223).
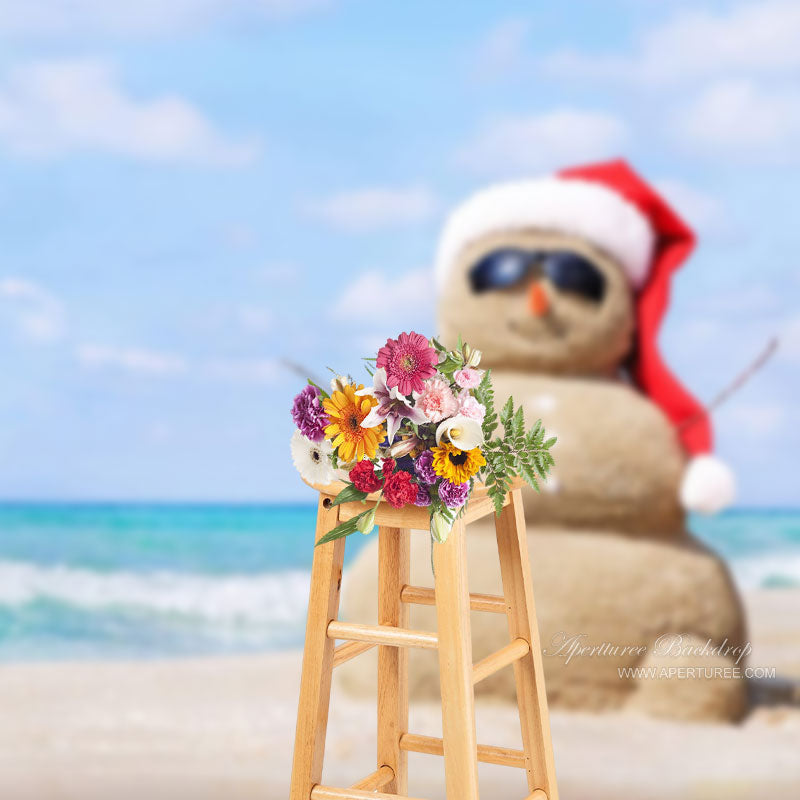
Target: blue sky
(190, 194)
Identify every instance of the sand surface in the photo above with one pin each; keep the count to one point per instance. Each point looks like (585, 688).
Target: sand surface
(223, 728)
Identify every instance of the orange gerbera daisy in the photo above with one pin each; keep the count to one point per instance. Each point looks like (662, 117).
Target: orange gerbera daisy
(346, 411)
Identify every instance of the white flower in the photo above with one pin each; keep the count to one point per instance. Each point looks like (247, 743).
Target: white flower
(463, 432)
(312, 459)
(474, 358)
(392, 407)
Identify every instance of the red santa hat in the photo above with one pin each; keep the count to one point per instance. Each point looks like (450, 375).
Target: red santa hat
(614, 209)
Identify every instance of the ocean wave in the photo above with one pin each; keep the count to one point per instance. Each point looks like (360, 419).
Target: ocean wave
(769, 570)
(265, 598)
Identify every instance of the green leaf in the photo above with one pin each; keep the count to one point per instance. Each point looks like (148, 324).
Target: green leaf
(518, 425)
(508, 410)
(498, 495)
(450, 365)
(550, 442)
(343, 529)
(322, 392)
(348, 495)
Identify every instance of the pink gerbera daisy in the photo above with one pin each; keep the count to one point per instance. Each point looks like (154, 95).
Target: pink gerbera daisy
(408, 360)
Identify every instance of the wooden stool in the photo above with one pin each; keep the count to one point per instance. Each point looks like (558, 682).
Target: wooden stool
(458, 674)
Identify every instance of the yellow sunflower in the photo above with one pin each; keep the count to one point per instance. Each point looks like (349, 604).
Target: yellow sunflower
(346, 411)
(457, 466)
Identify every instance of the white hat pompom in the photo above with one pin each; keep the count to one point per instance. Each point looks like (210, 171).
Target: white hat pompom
(708, 485)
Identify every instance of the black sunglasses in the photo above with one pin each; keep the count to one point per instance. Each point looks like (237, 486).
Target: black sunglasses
(568, 271)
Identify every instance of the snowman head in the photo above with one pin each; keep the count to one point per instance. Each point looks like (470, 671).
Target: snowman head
(571, 274)
(539, 300)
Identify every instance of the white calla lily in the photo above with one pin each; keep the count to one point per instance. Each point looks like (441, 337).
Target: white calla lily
(463, 432)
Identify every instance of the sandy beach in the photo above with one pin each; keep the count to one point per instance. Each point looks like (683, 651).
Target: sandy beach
(223, 728)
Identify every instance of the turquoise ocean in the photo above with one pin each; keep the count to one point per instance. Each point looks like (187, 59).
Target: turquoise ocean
(115, 581)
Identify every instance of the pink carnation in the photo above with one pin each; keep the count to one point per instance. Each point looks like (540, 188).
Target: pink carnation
(437, 400)
(468, 378)
(469, 407)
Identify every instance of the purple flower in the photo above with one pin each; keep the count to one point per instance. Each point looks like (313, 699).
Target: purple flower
(309, 415)
(454, 495)
(423, 498)
(423, 466)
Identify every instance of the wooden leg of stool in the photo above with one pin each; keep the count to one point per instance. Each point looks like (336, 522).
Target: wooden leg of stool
(455, 666)
(315, 682)
(512, 544)
(393, 574)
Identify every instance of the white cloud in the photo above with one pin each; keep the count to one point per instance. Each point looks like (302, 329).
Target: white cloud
(754, 419)
(241, 370)
(156, 363)
(372, 208)
(50, 108)
(36, 313)
(755, 37)
(254, 319)
(374, 297)
(239, 236)
(752, 299)
(502, 49)
(543, 141)
(789, 341)
(278, 273)
(130, 359)
(701, 211)
(45, 18)
(739, 117)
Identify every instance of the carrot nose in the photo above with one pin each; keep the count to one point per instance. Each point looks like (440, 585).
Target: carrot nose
(538, 301)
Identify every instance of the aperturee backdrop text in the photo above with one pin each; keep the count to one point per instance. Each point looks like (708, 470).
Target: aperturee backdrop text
(421, 434)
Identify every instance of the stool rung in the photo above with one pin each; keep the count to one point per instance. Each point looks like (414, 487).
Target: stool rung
(477, 602)
(502, 658)
(382, 634)
(538, 794)
(332, 793)
(344, 652)
(376, 781)
(432, 745)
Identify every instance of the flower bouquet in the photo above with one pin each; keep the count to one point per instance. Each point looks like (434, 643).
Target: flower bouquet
(421, 434)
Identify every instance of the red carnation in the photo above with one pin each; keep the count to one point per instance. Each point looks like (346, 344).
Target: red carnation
(387, 467)
(364, 478)
(399, 491)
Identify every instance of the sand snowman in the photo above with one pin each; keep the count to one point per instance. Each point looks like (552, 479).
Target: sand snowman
(562, 282)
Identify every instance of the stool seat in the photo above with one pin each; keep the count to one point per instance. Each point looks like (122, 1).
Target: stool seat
(480, 505)
(452, 641)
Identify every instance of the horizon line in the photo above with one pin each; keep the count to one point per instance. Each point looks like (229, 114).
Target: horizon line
(218, 502)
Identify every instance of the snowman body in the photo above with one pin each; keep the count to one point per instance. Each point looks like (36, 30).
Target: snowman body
(618, 461)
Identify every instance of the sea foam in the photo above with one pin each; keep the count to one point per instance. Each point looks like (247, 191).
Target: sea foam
(766, 571)
(271, 598)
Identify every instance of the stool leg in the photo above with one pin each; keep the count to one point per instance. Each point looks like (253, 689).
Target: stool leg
(455, 666)
(393, 574)
(315, 682)
(512, 545)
